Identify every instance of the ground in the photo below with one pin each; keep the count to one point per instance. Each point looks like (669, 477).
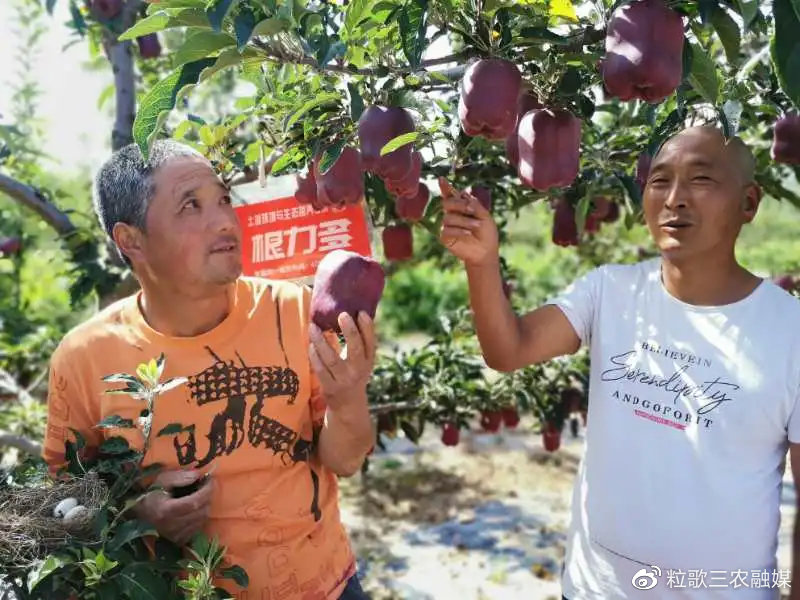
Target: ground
(484, 520)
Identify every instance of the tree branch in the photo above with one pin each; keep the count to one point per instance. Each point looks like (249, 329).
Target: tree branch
(20, 443)
(36, 201)
(120, 55)
(276, 55)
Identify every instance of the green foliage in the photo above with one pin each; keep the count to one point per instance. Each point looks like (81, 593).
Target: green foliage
(120, 564)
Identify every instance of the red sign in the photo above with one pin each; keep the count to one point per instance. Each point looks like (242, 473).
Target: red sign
(283, 239)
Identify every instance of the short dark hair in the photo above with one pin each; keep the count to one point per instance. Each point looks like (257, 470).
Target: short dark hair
(123, 187)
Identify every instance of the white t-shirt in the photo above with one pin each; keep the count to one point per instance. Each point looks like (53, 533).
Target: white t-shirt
(690, 410)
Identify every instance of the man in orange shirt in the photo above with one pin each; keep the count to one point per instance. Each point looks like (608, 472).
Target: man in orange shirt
(270, 405)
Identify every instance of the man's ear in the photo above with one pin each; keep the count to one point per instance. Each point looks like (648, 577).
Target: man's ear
(751, 201)
(129, 240)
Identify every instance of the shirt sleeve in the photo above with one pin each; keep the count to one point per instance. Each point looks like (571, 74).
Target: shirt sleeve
(579, 302)
(68, 408)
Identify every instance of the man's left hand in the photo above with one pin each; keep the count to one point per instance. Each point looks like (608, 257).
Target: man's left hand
(343, 373)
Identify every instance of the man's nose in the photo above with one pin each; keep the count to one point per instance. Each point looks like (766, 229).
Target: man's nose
(223, 219)
(678, 195)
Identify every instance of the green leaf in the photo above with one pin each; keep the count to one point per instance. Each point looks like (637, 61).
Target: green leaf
(238, 574)
(563, 9)
(170, 384)
(142, 582)
(129, 531)
(412, 30)
(728, 32)
(356, 11)
(270, 26)
(187, 17)
(796, 4)
(748, 9)
(170, 429)
(542, 34)
(703, 75)
(115, 421)
(201, 44)
(785, 48)
(78, 22)
(356, 102)
(115, 445)
(50, 564)
(282, 162)
(121, 378)
(161, 99)
(311, 104)
(330, 156)
(217, 12)
(399, 142)
(243, 25)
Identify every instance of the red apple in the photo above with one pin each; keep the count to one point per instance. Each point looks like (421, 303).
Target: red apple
(527, 102)
(106, 9)
(10, 246)
(484, 195)
(408, 185)
(377, 126)
(510, 417)
(413, 209)
(551, 437)
(565, 230)
(549, 148)
(343, 183)
(345, 282)
(149, 46)
(787, 282)
(491, 420)
(786, 140)
(305, 189)
(488, 102)
(644, 51)
(450, 434)
(613, 213)
(398, 242)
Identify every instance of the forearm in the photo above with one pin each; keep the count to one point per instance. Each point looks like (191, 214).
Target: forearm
(347, 435)
(496, 323)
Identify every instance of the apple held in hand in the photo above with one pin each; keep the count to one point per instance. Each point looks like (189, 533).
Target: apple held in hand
(377, 126)
(644, 51)
(345, 282)
(549, 148)
(489, 94)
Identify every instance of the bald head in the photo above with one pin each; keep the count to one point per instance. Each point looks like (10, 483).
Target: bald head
(741, 158)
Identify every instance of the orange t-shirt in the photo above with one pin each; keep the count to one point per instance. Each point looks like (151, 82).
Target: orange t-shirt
(253, 402)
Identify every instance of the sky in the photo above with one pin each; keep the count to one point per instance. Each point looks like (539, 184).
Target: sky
(77, 134)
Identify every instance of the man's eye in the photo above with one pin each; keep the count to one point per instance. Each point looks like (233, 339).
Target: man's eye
(227, 199)
(703, 178)
(191, 203)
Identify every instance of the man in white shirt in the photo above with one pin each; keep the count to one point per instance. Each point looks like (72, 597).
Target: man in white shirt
(695, 379)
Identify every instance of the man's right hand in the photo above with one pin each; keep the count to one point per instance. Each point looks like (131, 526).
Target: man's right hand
(176, 519)
(468, 230)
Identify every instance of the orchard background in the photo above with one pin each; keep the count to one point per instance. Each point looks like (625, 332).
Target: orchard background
(263, 87)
